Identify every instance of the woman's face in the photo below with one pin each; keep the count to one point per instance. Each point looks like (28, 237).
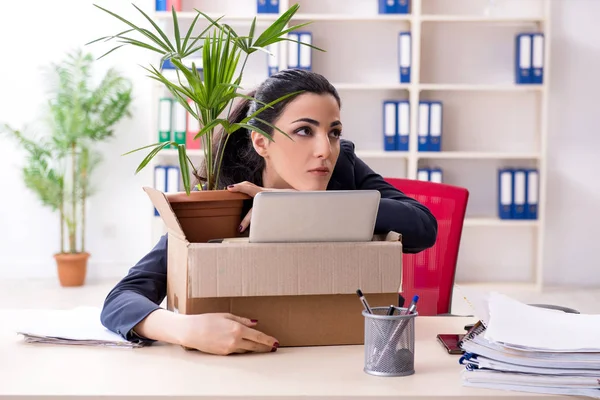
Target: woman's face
(306, 162)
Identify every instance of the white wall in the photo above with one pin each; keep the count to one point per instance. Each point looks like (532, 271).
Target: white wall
(573, 208)
(113, 235)
(41, 32)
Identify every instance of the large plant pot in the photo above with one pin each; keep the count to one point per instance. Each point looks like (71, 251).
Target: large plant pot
(210, 214)
(72, 268)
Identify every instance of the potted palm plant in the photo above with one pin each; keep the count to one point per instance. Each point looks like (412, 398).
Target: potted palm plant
(59, 164)
(211, 210)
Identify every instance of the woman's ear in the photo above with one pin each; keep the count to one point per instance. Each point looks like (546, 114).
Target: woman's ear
(260, 143)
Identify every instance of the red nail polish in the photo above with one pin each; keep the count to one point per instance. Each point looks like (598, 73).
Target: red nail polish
(274, 349)
(230, 186)
(241, 228)
(276, 345)
(254, 321)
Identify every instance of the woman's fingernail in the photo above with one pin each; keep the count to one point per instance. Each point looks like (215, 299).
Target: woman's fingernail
(241, 228)
(275, 345)
(229, 187)
(273, 349)
(254, 321)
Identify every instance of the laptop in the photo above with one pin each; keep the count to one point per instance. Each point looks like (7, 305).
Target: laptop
(314, 216)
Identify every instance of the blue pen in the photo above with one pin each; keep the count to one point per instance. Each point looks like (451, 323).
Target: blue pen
(413, 305)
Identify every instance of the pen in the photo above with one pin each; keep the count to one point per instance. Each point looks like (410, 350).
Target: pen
(391, 310)
(364, 301)
(413, 305)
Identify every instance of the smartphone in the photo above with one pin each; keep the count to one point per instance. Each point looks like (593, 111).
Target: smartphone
(450, 342)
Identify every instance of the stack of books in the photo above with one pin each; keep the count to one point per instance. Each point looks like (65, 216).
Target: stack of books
(525, 348)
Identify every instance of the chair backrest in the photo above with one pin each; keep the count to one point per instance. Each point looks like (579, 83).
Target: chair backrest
(430, 273)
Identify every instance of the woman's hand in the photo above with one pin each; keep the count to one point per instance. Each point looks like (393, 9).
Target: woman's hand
(223, 334)
(251, 190)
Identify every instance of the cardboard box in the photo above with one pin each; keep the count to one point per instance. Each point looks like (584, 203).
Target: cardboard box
(303, 294)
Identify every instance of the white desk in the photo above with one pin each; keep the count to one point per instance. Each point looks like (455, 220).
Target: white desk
(166, 371)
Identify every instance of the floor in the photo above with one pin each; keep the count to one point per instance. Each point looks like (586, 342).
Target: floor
(48, 294)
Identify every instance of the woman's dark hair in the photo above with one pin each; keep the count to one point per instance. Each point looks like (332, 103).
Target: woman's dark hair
(240, 161)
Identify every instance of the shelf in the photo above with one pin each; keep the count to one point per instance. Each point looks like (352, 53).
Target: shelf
(381, 154)
(479, 18)
(472, 155)
(482, 87)
(175, 153)
(372, 86)
(497, 222)
(182, 15)
(190, 15)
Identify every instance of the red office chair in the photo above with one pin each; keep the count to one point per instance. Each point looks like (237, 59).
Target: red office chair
(430, 273)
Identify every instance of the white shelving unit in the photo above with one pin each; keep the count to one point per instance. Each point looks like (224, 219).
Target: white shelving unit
(463, 55)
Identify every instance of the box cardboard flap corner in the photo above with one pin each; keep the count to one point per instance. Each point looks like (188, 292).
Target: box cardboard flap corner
(303, 294)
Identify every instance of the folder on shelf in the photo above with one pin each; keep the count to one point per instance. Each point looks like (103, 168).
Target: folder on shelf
(262, 6)
(505, 193)
(165, 107)
(532, 198)
(403, 125)
(174, 4)
(404, 56)
(435, 126)
(423, 174)
(273, 58)
(387, 7)
(436, 175)
(160, 181)
(293, 50)
(173, 178)
(179, 122)
(520, 192)
(273, 6)
(161, 5)
(423, 126)
(523, 53)
(402, 6)
(305, 51)
(537, 58)
(192, 129)
(390, 125)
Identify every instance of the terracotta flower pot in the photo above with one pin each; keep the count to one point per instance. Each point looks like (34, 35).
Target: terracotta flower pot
(210, 214)
(72, 268)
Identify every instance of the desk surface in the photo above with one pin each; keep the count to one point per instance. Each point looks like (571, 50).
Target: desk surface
(38, 370)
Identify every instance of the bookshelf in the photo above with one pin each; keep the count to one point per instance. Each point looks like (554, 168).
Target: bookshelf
(462, 54)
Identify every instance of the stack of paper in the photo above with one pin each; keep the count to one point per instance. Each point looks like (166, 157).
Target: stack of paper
(78, 326)
(531, 349)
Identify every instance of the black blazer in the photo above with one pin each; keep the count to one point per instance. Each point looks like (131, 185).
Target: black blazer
(145, 286)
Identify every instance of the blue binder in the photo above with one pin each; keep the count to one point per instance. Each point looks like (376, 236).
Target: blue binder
(160, 181)
(505, 193)
(532, 198)
(161, 5)
(423, 126)
(402, 6)
(436, 175)
(387, 7)
(523, 55)
(404, 56)
(403, 125)
(262, 7)
(293, 50)
(305, 51)
(537, 58)
(390, 125)
(519, 193)
(423, 174)
(435, 125)
(273, 6)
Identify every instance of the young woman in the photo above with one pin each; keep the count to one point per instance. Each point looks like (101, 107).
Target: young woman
(316, 159)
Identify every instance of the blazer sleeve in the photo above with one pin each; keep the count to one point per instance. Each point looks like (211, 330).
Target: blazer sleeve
(397, 211)
(138, 294)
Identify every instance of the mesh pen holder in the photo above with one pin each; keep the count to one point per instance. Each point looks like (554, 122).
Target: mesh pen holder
(389, 342)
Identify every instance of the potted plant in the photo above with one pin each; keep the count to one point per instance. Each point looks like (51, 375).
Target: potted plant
(210, 211)
(59, 165)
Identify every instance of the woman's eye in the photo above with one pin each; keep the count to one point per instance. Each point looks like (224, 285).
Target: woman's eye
(303, 131)
(336, 133)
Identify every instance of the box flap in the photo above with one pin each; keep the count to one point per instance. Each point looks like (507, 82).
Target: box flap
(159, 200)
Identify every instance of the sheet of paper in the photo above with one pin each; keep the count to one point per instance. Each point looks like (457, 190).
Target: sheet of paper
(78, 324)
(529, 327)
